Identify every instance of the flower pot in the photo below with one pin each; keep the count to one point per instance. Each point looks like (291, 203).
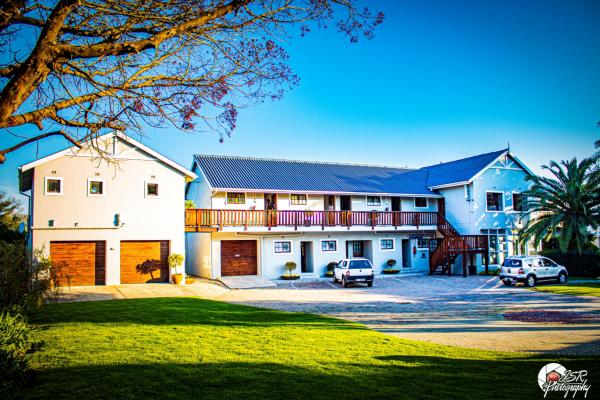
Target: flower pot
(177, 279)
(189, 281)
(329, 274)
(390, 271)
(290, 277)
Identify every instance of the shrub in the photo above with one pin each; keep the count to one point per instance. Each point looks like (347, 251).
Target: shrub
(24, 282)
(15, 346)
(391, 263)
(290, 266)
(491, 272)
(584, 264)
(331, 265)
(190, 204)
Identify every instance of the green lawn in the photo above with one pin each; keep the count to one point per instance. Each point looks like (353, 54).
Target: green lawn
(573, 288)
(186, 348)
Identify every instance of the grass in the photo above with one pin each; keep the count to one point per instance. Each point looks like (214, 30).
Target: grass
(572, 288)
(186, 348)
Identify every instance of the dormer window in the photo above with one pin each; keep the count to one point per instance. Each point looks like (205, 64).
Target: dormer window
(95, 187)
(53, 186)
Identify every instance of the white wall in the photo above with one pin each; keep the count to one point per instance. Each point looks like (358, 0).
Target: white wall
(79, 217)
(271, 264)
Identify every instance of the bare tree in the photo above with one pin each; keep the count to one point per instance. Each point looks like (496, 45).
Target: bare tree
(77, 68)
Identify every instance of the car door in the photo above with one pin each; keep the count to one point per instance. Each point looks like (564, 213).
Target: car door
(550, 268)
(538, 267)
(339, 270)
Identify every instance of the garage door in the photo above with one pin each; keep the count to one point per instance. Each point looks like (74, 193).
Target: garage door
(238, 257)
(79, 263)
(144, 261)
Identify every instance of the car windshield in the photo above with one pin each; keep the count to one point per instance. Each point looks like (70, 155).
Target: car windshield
(358, 264)
(511, 262)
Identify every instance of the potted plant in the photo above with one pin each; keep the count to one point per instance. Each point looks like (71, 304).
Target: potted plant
(390, 264)
(175, 260)
(290, 266)
(189, 279)
(330, 268)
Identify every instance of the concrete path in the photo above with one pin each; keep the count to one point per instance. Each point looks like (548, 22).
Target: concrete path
(458, 311)
(246, 282)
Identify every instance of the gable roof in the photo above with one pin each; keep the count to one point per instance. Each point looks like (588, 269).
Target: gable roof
(261, 174)
(74, 149)
(463, 171)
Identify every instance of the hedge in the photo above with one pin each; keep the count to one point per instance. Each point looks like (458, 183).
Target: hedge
(585, 264)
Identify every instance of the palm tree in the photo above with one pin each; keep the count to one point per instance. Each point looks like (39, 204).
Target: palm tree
(567, 203)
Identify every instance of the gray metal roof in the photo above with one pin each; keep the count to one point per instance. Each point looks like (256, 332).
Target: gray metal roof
(459, 170)
(262, 174)
(258, 174)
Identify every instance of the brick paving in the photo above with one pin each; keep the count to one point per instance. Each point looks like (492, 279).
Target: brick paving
(457, 311)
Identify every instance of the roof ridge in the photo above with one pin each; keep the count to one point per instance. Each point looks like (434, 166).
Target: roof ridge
(305, 161)
(464, 159)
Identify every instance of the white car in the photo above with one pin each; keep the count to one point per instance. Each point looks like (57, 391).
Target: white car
(352, 270)
(531, 269)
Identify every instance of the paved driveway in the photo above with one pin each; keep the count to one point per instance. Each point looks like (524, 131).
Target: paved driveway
(456, 311)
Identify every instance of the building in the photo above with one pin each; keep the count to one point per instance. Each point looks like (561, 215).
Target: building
(254, 214)
(107, 223)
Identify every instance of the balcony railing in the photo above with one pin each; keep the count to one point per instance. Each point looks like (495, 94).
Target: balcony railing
(207, 219)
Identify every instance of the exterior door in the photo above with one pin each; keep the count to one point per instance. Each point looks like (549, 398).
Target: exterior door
(442, 207)
(238, 257)
(355, 249)
(306, 265)
(145, 261)
(79, 263)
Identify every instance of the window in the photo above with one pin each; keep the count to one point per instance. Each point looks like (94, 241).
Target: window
(282, 247)
(236, 198)
(494, 201)
(360, 264)
(386, 244)
(151, 189)
(328, 246)
(422, 243)
(95, 187)
(512, 263)
(54, 186)
(498, 250)
(373, 200)
(420, 202)
(298, 199)
(519, 202)
(548, 263)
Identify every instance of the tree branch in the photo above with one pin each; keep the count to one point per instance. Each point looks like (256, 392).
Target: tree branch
(34, 139)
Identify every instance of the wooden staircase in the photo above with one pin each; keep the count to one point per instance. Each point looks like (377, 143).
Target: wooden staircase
(444, 251)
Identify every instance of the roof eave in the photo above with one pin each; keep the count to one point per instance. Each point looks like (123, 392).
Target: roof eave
(246, 190)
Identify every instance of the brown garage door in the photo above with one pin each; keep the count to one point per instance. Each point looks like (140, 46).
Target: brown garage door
(238, 257)
(144, 261)
(79, 263)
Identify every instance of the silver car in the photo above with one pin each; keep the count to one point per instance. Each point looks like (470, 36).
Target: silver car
(531, 269)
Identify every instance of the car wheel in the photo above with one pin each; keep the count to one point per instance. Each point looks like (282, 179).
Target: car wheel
(530, 282)
(344, 284)
(562, 278)
(334, 278)
(370, 284)
(506, 282)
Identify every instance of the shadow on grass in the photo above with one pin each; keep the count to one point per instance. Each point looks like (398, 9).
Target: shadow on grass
(390, 377)
(180, 311)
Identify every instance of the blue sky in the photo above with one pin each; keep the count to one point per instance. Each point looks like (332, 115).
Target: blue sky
(441, 80)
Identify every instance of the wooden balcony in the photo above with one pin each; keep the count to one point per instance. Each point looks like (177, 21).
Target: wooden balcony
(209, 220)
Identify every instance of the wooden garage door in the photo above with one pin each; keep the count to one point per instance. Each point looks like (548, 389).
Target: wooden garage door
(238, 257)
(144, 261)
(79, 263)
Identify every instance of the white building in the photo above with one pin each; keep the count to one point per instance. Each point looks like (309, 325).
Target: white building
(107, 223)
(254, 215)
